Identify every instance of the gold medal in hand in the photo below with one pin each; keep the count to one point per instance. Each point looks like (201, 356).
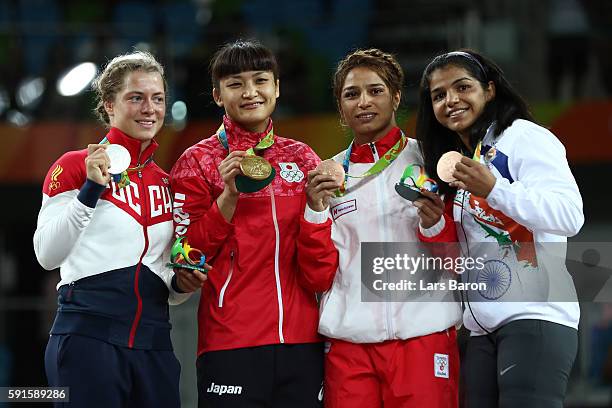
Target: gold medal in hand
(255, 167)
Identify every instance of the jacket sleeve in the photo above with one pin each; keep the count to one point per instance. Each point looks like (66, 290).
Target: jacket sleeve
(317, 255)
(67, 208)
(441, 239)
(445, 230)
(195, 211)
(543, 195)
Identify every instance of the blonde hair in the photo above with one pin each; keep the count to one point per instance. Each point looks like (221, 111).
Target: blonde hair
(112, 79)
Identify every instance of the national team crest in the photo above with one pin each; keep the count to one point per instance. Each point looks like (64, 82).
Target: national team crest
(54, 184)
(291, 172)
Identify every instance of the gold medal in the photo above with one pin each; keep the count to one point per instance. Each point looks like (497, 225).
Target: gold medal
(256, 167)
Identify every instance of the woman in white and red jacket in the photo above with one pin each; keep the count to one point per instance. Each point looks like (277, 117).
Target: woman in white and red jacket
(381, 353)
(110, 342)
(258, 343)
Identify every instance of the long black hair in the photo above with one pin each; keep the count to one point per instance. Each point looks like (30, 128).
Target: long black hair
(507, 106)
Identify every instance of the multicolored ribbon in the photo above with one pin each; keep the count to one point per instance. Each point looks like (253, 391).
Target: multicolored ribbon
(422, 181)
(381, 164)
(264, 143)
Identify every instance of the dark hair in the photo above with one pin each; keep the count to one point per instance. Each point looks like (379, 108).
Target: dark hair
(112, 79)
(507, 106)
(240, 56)
(384, 64)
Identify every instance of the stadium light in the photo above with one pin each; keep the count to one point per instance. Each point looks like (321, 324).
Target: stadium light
(77, 79)
(29, 92)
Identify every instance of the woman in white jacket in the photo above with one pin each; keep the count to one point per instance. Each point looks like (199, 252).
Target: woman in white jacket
(515, 202)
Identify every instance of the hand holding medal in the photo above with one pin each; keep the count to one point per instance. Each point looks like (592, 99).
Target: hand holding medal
(119, 163)
(97, 164)
(257, 172)
(333, 169)
(465, 173)
(323, 183)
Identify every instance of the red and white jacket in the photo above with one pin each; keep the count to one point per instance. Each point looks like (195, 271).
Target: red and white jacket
(111, 246)
(257, 292)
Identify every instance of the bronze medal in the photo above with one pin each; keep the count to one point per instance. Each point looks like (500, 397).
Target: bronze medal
(446, 165)
(256, 167)
(332, 168)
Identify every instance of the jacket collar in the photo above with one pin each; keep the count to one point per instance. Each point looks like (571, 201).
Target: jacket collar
(363, 153)
(116, 136)
(241, 139)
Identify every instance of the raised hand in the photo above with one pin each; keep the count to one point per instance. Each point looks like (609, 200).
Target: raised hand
(320, 188)
(97, 163)
(229, 168)
(473, 177)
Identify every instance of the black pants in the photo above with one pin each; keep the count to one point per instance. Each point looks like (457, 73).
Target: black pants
(274, 376)
(525, 363)
(103, 375)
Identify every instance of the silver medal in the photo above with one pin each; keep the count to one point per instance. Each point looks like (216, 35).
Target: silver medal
(119, 158)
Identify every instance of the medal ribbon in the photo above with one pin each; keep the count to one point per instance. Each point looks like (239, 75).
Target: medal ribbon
(382, 163)
(476, 156)
(123, 179)
(264, 143)
(420, 181)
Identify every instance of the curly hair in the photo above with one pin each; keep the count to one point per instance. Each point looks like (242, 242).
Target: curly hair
(384, 64)
(112, 79)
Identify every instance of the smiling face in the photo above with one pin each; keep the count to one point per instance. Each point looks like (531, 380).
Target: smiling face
(249, 98)
(367, 105)
(458, 99)
(139, 108)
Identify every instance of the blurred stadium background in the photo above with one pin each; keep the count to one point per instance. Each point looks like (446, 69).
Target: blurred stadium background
(558, 53)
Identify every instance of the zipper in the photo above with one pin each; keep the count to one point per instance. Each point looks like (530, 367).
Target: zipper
(279, 293)
(381, 205)
(374, 152)
(227, 281)
(145, 214)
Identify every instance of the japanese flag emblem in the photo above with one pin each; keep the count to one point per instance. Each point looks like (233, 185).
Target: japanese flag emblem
(291, 172)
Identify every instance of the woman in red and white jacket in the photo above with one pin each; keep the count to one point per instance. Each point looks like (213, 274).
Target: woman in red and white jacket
(110, 342)
(258, 343)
